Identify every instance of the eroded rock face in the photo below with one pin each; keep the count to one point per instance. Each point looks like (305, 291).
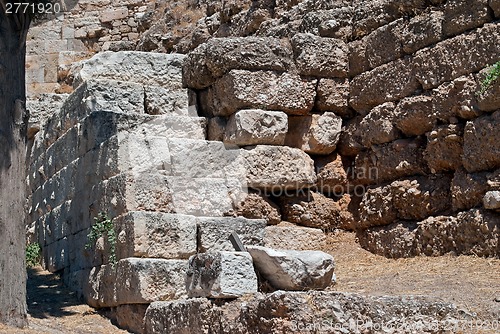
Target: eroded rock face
(258, 206)
(481, 144)
(293, 270)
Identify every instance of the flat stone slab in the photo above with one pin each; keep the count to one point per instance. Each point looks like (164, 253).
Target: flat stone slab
(221, 275)
(293, 270)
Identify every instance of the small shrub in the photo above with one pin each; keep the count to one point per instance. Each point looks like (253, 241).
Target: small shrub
(33, 254)
(491, 76)
(103, 227)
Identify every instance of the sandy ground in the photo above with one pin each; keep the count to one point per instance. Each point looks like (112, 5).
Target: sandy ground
(472, 283)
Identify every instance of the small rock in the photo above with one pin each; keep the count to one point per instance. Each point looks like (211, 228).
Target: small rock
(492, 200)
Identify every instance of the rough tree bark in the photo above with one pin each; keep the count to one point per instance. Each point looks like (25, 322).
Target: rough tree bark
(13, 126)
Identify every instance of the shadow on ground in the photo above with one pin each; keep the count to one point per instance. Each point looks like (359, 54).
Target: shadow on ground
(47, 297)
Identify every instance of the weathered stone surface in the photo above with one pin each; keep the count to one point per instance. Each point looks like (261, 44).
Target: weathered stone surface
(473, 232)
(414, 115)
(389, 82)
(333, 95)
(387, 162)
(289, 236)
(421, 31)
(156, 234)
(452, 58)
(491, 200)
(467, 190)
(293, 270)
(460, 15)
(213, 233)
(350, 140)
(456, 99)
(332, 176)
(164, 100)
(489, 100)
(378, 126)
(220, 55)
(320, 57)
(258, 206)
(333, 23)
(481, 144)
(444, 148)
(256, 127)
(44, 106)
(412, 199)
(155, 68)
(265, 313)
(130, 317)
(277, 169)
(221, 275)
(316, 134)
(135, 281)
(495, 5)
(364, 55)
(240, 89)
(312, 209)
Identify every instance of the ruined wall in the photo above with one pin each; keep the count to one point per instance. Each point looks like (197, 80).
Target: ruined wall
(80, 29)
(384, 96)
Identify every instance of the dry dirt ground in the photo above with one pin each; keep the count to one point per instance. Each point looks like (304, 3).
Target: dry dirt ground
(472, 283)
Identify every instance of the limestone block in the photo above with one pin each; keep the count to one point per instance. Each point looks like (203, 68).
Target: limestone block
(293, 270)
(412, 199)
(255, 205)
(422, 30)
(450, 59)
(220, 275)
(460, 15)
(135, 67)
(156, 235)
(201, 158)
(209, 197)
(332, 176)
(365, 54)
(490, 99)
(164, 100)
(378, 126)
(387, 162)
(312, 209)
(414, 115)
(316, 134)
(444, 148)
(467, 190)
(388, 82)
(135, 281)
(456, 99)
(481, 144)
(491, 200)
(218, 56)
(213, 233)
(334, 22)
(256, 127)
(241, 89)
(56, 256)
(333, 95)
(289, 236)
(276, 168)
(130, 317)
(319, 56)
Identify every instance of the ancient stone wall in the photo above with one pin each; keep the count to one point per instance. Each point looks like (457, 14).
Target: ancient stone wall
(80, 29)
(385, 97)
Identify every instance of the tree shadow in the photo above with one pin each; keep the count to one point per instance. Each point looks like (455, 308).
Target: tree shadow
(47, 296)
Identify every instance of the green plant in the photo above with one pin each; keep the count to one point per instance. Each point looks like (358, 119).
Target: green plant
(33, 254)
(103, 227)
(492, 75)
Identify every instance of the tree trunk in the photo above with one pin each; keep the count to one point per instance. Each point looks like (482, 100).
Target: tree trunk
(13, 125)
